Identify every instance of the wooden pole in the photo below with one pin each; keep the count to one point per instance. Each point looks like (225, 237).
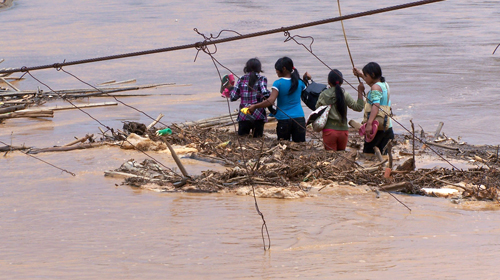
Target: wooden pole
(378, 154)
(12, 108)
(10, 85)
(177, 160)
(438, 131)
(81, 140)
(37, 114)
(70, 107)
(155, 121)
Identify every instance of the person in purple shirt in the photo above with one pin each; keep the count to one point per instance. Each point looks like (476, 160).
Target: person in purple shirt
(252, 89)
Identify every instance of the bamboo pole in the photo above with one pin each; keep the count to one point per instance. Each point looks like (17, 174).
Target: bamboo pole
(12, 108)
(9, 84)
(70, 107)
(68, 148)
(438, 131)
(18, 93)
(19, 114)
(155, 121)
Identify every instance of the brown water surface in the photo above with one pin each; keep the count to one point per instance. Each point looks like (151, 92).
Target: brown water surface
(437, 59)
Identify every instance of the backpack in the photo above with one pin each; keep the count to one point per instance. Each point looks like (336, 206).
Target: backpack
(311, 93)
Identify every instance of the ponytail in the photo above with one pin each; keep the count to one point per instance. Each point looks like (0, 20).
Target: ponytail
(295, 77)
(252, 80)
(252, 67)
(287, 63)
(382, 79)
(336, 79)
(340, 103)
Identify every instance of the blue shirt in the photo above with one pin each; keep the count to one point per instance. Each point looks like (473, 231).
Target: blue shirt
(382, 98)
(289, 105)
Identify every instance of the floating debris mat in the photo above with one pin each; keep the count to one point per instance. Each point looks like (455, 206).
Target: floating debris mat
(267, 163)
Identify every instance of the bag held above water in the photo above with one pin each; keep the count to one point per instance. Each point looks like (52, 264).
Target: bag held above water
(311, 93)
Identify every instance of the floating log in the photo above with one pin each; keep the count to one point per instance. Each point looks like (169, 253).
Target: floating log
(69, 107)
(117, 174)
(394, 187)
(211, 121)
(12, 108)
(18, 93)
(105, 91)
(442, 146)
(210, 159)
(12, 148)
(69, 148)
(34, 114)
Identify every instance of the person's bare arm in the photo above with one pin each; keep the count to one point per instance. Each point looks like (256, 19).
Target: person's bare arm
(266, 103)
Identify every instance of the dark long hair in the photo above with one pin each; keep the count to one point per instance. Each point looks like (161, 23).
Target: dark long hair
(336, 79)
(287, 63)
(373, 70)
(253, 67)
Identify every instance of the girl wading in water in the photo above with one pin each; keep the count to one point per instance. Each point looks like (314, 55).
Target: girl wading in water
(251, 88)
(287, 90)
(377, 107)
(336, 131)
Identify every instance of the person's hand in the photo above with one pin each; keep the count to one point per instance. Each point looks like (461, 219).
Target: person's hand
(361, 87)
(251, 109)
(357, 72)
(226, 93)
(368, 129)
(307, 76)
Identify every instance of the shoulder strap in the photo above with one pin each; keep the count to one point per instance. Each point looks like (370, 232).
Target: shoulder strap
(388, 92)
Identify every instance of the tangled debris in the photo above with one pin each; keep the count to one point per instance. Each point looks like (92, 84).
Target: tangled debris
(282, 166)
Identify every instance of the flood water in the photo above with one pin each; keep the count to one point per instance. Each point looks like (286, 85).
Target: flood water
(437, 58)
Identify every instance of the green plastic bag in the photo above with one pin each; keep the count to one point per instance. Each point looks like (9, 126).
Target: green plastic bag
(166, 131)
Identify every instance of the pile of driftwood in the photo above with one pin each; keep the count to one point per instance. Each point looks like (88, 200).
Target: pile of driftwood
(16, 103)
(266, 162)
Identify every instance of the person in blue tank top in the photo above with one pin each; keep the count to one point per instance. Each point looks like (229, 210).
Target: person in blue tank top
(377, 107)
(287, 90)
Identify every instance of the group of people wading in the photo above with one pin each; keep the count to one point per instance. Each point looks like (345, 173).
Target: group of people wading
(255, 97)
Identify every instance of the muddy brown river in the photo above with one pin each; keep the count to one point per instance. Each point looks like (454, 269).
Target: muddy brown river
(437, 58)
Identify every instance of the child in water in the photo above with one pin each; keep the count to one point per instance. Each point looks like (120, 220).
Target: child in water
(336, 131)
(287, 90)
(252, 89)
(377, 107)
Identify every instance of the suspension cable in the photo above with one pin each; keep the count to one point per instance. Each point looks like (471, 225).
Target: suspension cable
(224, 40)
